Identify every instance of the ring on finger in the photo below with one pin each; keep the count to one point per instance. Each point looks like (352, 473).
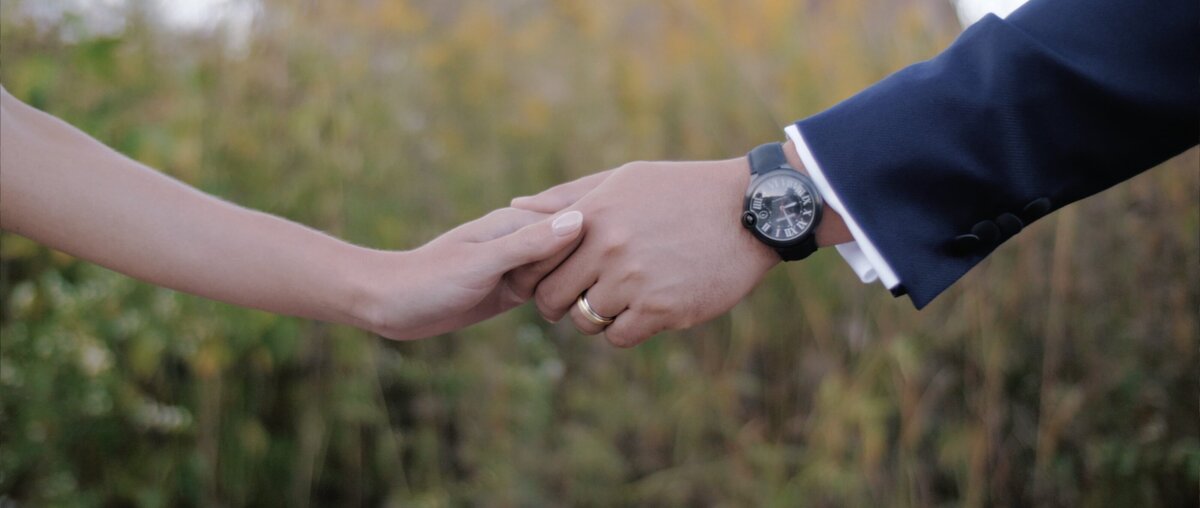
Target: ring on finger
(590, 314)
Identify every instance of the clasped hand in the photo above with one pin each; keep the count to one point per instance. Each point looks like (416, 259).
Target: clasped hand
(662, 248)
(653, 246)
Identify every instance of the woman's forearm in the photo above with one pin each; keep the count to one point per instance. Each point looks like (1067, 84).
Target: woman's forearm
(64, 189)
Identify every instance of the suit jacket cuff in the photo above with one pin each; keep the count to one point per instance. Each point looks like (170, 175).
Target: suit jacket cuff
(861, 254)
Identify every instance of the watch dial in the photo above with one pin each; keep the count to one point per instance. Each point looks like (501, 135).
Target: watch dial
(784, 207)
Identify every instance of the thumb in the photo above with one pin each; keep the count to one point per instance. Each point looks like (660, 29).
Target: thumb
(536, 241)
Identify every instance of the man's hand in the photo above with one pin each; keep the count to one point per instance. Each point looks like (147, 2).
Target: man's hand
(663, 249)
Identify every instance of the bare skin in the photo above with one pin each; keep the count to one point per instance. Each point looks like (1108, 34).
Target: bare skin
(60, 187)
(664, 249)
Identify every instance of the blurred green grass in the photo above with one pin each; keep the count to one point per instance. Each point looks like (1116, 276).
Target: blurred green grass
(1062, 371)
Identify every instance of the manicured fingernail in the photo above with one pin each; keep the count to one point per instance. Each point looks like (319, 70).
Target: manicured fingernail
(518, 199)
(567, 223)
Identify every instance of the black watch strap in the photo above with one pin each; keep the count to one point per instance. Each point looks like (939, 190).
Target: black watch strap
(799, 251)
(766, 157)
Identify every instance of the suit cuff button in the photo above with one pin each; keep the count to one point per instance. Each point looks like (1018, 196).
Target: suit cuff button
(1009, 224)
(1035, 210)
(987, 231)
(963, 245)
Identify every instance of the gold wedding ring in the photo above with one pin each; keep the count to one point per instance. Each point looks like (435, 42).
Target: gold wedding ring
(590, 314)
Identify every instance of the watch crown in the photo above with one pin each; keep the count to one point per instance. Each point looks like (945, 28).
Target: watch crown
(748, 219)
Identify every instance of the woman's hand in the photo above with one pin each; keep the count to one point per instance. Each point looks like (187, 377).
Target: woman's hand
(64, 189)
(462, 277)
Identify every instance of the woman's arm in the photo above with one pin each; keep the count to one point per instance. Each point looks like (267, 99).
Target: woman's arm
(64, 189)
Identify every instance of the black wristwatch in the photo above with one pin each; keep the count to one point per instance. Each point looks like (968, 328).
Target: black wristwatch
(783, 207)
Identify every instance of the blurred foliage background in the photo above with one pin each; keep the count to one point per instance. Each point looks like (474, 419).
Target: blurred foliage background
(1062, 371)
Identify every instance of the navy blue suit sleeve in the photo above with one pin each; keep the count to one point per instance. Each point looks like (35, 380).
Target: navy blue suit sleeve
(1020, 116)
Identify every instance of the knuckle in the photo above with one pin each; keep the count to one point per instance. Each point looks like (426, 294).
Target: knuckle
(544, 303)
(675, 313)
(620, 339)
(550, 308)
(633, 271)
(550, 316)
(615, 241)
(655, 305)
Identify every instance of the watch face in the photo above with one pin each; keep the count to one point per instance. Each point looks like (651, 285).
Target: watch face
(783, 206)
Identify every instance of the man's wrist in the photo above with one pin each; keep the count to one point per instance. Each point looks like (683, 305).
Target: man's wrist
(832, 229)
(737, 176)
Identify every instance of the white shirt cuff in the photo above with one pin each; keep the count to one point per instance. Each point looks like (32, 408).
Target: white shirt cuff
(861, 254)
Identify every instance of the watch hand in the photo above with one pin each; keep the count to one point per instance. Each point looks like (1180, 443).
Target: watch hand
(783, 211)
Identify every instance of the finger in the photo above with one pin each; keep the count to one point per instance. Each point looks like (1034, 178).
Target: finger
(535, 241)
(560, 196)
(522, 280)
(632, 328)
(557, 292)
(497, 223)
(606, 299)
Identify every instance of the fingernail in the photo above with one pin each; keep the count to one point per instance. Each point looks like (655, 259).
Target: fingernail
(567, 223)
(518, 199)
